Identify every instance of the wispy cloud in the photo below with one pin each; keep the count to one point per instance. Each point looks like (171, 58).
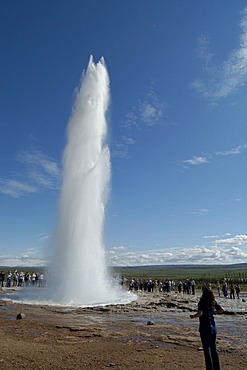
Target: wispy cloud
(23, 260)
(230, 75)
(199, 160)
(121, 148)
(195, 161)
(39, 172)
(202, 211)
(148, 112)
(204, 54)
(119, 248)
(15, 189)
(234, 151)
(152, 110)
(43, 238)
(41, 169)
(216, 236)
(237, 240)
(35, 256)
(236, 199)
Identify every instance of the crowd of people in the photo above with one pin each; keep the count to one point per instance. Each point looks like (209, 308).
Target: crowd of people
(21, 279)
(167, 285)
(224, 289)
(187, 286)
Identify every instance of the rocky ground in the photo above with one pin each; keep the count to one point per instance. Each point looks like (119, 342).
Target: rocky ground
(152, 332)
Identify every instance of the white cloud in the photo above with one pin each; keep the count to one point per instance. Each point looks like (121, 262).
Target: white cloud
(41, 169)
(39, 172)
(149, 112)
(121, 148)
(152, 110)
(128, 140)
(224, 251)
(203, 52)
(15, 188)
(202, 211)
(198, 160)
(130, 119)
(216, 236)
(30, 257)
(237, 240)
(43, 238)
(24, 261)
(230, 75)
(195, 161)
(119, 248)
(234, 151)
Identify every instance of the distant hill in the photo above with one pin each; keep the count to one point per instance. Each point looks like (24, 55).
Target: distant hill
(145, 267)
(23, 268)
(187, 266)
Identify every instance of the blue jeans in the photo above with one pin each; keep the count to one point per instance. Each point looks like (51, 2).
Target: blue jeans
(210, 351)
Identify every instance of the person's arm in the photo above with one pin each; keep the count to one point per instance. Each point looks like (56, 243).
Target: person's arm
(197, 314)
(219, 309)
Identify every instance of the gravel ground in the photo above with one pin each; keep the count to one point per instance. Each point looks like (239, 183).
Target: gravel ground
(152, 332)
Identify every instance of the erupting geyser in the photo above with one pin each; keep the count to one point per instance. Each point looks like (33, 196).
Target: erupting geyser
(79, 274)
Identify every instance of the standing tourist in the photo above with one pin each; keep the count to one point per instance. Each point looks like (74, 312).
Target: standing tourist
(8, 283)
(232, 292)
(180, 286)
(218, 288)
(237, 290)
(2, 278)
(207, 306)
(224, 289)
(193, 286)
(33, 279)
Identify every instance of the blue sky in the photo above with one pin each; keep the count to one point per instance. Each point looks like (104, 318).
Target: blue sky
(177, 125)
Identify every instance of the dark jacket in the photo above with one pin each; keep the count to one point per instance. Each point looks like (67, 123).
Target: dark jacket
(207, 322)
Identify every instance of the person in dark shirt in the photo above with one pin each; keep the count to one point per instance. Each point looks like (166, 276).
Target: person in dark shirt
(2, 278)
(207, 306)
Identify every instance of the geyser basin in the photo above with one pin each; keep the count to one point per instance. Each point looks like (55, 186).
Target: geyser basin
(42, 296)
